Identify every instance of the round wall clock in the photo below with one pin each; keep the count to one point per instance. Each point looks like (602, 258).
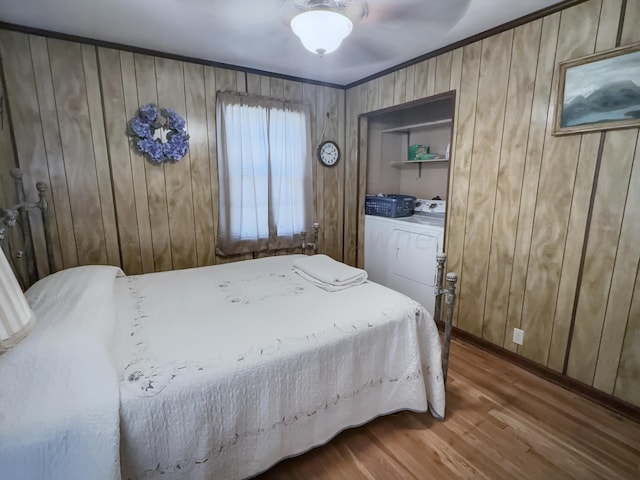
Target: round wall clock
(328, 153)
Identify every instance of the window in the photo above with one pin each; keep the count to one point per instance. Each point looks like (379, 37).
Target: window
(264, 174)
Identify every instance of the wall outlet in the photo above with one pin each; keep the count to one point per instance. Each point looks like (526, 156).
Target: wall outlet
(518, 336)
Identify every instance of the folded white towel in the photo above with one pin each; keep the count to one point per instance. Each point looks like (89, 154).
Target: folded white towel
(327, 273)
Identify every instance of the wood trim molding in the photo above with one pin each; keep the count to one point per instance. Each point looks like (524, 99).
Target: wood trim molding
(617, 405)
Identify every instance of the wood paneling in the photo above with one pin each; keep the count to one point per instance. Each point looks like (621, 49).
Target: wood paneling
(577, 35)
(333, 178)
(54, 157)
(410, 79)
(519, 198)
(171, 94)
(277, 87)
(7, 152)
(101, 155)
(155, 202)
(630, 30)
(196, 119)
(319, 114)
(363, 125)
(602, 254)
(254, 84)
(353, 107)
(606, 38)
(119, 159)
(400, 86)
(385, 90)
(489, 111)
(455, 85)
(74, 126)
(609, 23)
(136, 164)
(618, 318)
(627, 385)
(372, 101)
(460, 170)
(421, 77)
(526, 41)
(627, 382)
(309, 94)
(529, 191)
(210, 88)
(110, 205)
(443, 72)
(54, 94)
(567, 288)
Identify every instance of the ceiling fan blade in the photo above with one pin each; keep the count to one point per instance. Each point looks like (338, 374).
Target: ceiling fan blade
(400, 12)
(369, 52)
(249, 12)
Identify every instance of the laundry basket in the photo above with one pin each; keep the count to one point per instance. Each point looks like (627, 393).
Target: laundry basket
(392, 205)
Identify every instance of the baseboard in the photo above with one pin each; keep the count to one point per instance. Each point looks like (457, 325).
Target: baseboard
(621, 407)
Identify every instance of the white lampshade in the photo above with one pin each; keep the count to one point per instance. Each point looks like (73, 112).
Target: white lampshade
(16, 318)
(321, 31)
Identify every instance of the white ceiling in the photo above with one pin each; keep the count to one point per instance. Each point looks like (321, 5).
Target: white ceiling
(256, 33)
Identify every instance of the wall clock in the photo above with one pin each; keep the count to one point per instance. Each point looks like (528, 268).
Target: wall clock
(328, 153)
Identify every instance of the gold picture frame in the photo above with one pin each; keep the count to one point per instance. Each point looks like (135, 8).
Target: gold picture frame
(599, 92)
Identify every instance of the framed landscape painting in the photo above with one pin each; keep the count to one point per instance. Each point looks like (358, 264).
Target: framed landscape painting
(599, 92)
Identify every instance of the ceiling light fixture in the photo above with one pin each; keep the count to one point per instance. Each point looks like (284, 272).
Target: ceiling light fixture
(321, 29)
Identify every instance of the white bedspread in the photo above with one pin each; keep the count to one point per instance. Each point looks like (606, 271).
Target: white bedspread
(58, 387)
(216, 372)
(228, 369)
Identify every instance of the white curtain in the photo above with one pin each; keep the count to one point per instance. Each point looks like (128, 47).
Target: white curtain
(264, 174)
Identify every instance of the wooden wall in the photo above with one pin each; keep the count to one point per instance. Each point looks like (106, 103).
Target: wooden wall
(7, 153)
(519, 198)
(70, 104)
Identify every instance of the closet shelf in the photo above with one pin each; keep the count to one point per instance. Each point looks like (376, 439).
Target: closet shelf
(406, 163)
(408, 128)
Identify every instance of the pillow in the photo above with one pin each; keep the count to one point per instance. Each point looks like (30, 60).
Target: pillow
(16, 317)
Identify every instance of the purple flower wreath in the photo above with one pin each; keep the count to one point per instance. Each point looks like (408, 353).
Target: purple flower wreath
(143, 130)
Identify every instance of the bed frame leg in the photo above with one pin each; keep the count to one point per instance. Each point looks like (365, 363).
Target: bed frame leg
(19, 214)
(441, 258)
(313, 244)
(450, 298)
(22, 208)
(43, 205)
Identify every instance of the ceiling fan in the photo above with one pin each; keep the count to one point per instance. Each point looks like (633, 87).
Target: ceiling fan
(376, 22)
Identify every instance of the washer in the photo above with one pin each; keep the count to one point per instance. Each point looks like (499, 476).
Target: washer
(400, 253)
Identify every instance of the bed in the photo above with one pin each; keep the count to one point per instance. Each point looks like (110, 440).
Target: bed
(211, 372)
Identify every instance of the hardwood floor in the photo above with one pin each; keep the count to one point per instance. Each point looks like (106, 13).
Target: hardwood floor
(502, 422)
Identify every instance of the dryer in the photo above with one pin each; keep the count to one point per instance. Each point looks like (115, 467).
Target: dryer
(400, 253)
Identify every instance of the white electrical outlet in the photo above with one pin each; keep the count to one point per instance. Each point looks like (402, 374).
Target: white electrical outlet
(518, 336)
